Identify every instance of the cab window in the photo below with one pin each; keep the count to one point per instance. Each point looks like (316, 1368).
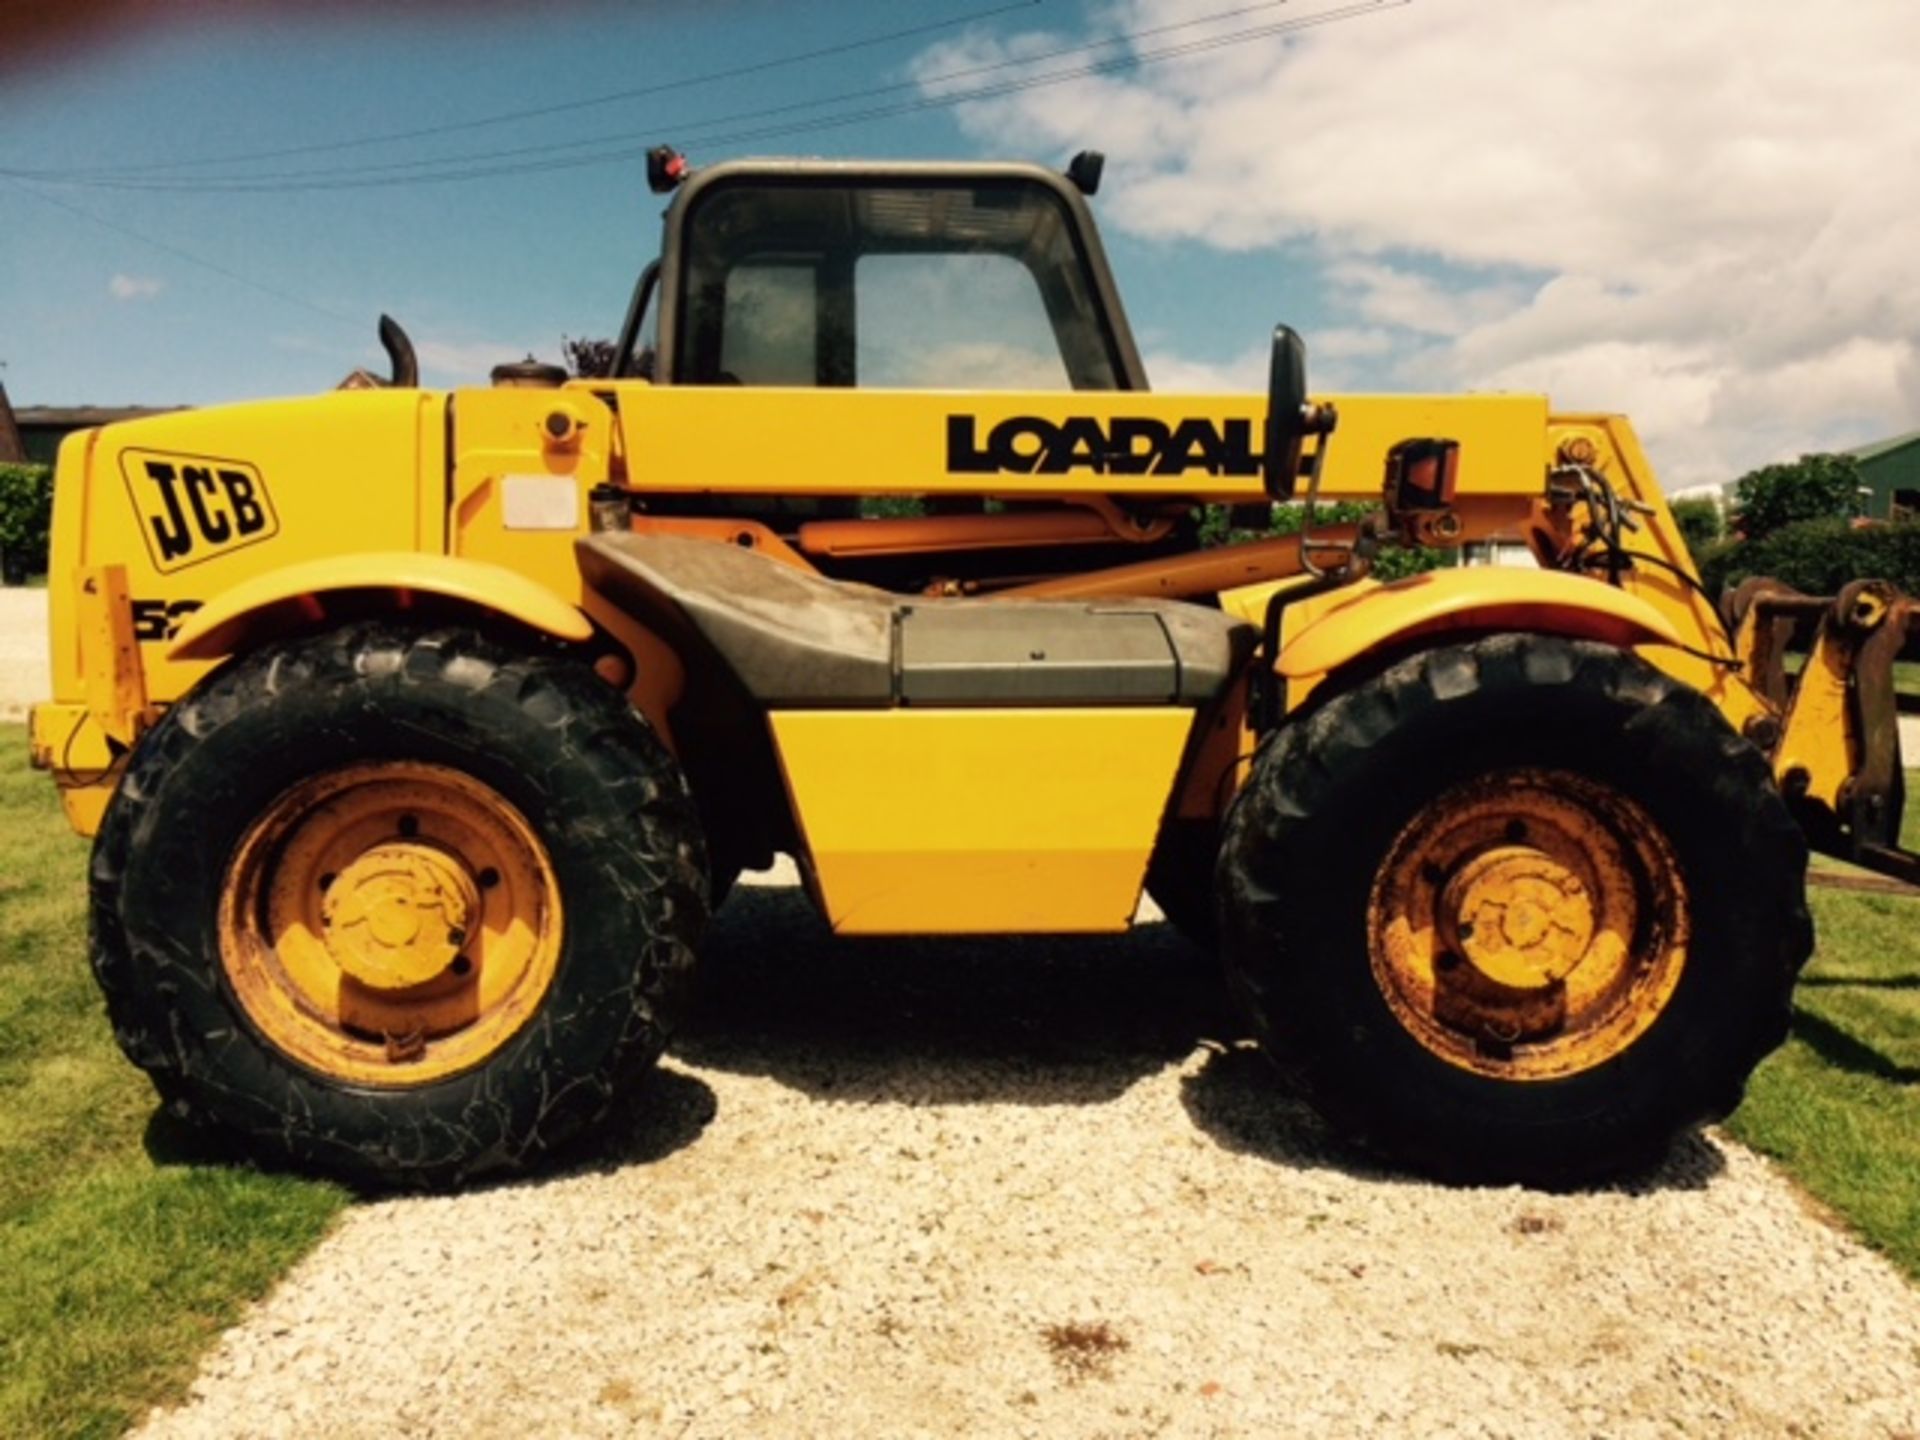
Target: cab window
(965, 285)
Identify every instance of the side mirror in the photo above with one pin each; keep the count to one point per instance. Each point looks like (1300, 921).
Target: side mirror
(1290, 419)
(400, 359)
(1084, 171)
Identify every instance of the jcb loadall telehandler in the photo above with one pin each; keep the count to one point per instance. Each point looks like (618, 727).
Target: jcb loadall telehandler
(420, 731)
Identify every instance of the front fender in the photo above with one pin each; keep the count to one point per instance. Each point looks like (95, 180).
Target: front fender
(282, 599)
(1478, 600)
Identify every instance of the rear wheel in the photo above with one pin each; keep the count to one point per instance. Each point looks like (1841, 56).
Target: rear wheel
(408, 907)
(1526, 907)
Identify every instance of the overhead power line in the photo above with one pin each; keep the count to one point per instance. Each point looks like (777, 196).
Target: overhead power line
(507, 117)
(688, 128)
(187, 255)
(612, 149)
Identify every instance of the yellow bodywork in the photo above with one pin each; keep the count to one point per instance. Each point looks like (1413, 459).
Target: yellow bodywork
(964, 822)
(206, 531)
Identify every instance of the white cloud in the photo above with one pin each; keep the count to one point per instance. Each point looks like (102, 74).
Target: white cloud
(1698, 213)
(1335, 352)
(1357, 343)
(134, 287)
(1170, 371)
(1388, 295)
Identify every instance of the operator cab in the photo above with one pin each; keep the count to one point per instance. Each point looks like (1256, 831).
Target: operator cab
(902, 276)
(822, 274)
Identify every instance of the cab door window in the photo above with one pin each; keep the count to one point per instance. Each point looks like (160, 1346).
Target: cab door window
(769, 324)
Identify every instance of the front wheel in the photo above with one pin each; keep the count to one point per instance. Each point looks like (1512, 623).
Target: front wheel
(1526, 907)
(408, 907)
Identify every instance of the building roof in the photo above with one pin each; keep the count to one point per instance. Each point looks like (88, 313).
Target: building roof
(12, 451)
(75, 417)
(1886, 447)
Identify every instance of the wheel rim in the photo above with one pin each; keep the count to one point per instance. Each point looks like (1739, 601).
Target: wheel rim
(1528, 925)
(390, 924)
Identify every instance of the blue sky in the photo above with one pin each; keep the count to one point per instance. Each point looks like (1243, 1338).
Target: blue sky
(478, 270)
(1695, 214)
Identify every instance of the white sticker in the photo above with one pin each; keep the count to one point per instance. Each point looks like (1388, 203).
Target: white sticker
(539, 502)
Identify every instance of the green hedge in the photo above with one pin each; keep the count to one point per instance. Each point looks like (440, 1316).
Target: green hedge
(26, 513)
(1819, 556)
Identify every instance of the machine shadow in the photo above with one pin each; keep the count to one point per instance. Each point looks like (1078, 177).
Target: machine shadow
(1238, 1100)
(667, 1113)
(1036, 1021)
(1069, 1020)
(1846, 1052)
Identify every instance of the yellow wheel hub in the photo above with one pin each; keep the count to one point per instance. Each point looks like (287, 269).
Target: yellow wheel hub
(1518, 916)
(390, 924)
(1529, 925)
(398, 915)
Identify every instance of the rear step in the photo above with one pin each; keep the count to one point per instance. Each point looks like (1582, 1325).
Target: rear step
(795, 639)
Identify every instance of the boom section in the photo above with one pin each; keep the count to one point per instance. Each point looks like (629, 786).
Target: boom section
(804, 441)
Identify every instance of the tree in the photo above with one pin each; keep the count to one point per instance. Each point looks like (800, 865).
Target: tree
(1814, 487)
(1700, 524)
(26, 513)
(589, 359)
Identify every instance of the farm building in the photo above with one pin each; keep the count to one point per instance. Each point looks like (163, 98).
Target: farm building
(42, 427)
(1890, 474)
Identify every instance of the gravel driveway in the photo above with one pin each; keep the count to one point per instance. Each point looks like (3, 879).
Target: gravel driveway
(23, 651)
(1021, 1188)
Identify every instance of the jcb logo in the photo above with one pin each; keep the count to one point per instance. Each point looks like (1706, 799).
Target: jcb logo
(193, 508)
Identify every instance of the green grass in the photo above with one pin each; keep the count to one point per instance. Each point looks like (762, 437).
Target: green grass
(1840, 1104)
(1906, 673)
(119, 1260)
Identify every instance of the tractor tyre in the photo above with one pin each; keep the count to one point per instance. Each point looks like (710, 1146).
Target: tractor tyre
(1525, 908)
(407, 906)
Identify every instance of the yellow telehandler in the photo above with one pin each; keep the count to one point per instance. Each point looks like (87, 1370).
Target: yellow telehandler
(419, 731)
